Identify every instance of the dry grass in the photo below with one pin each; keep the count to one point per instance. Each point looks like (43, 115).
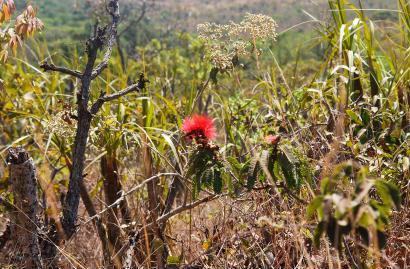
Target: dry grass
(257, 230)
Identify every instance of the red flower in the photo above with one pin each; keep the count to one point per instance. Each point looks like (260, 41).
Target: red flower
(272, 139)
(199, 126)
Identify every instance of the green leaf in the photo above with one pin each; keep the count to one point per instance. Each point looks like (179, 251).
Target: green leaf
(366, 220)
(276, 170)
(174, 150)
(288, 165)
(207, 177)
(320, 228)
(173, 260)
(217, 180)
(197, 187)
(365, 116)
(389, 193)
(314, 206)
(324, 185)
(197, 162)
(354, 117)
(234, 162)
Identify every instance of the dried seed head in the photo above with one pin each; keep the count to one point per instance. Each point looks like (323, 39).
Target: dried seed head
(225, 42)
(60, 124)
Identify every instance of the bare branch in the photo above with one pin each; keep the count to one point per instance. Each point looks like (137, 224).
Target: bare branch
(129, 89)
(132, 190)
(174, 212)
(183, 208)
(51, 67)
(106, 98)
(114, 11)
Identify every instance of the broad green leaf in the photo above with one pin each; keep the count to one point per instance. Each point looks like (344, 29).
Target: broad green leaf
(354, 117)
(288, 165)
(217, 181)
(389, 193)
(314, 206)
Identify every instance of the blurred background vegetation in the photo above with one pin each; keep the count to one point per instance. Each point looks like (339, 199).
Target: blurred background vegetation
(334, 87)
(70, 21)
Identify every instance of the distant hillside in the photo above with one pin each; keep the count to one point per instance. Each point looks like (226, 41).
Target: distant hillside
(187, 13)
(69, 20)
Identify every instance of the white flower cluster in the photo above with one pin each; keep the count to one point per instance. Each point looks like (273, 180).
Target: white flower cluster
(224, 42)
(60, 125)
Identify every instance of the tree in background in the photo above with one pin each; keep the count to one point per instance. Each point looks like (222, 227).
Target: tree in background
(133, 13)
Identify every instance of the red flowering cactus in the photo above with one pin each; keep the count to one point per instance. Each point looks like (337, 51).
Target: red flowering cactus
(272, 139)
(199, 128)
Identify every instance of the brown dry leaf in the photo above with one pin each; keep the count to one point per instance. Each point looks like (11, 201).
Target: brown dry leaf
(4, 55)
(7, 8)
(27, 23)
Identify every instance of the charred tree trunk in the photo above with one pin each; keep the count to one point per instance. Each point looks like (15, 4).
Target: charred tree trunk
(103, 37)
(24, 226)
(92, 213)
(70, 210)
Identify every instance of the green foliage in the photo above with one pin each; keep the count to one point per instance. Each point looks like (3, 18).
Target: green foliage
(206, 169)
(278, 165)
(289, 164)
(363, 208)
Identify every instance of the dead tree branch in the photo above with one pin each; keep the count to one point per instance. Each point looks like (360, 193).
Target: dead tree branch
(132, 190)
(115, 14)
(102, 37)
(106, 98)
(51, 67)
(186, 207)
